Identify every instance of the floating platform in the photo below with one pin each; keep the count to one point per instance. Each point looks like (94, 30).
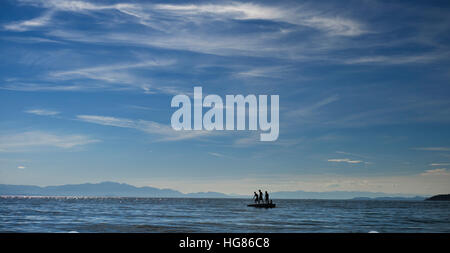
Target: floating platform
(269, 205)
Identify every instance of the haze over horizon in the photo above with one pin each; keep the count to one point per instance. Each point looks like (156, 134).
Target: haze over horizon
(86, 86)
(117, 189)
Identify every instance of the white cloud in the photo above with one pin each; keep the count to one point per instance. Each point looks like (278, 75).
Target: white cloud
(244, 11)
(108, 72)
(265, 72)
(439, 164)
(436, 172)
(183, 39)
(345, 160)
(334, 25)
(433, 148)
(111, 77)
(397, 59)
(216, 154)
(250, 140)
(42, 112)
(393, 112)
(21, 167)
(231, 10)
(74, 5)
(309, 109)
(351, 154)
(32, 139)
(44, 87)
(29, 24)
(185, 26)
(166, 132)
(115, 74)
(297, 15)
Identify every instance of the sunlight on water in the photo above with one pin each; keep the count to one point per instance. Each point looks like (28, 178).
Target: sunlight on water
(88, 214)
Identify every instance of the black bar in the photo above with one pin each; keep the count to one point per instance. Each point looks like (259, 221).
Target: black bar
(173, 242)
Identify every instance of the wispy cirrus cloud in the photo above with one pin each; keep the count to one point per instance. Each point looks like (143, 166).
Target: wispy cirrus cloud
(30, 24)
(186, 26)
(398, 59)
(165, 132)
(245, 11)
(144, 13)
(445, 149)
(42, 112)
(169, 27)
(32, 139)
(264, 72)
(117, 76)
(436, 172)
(439, 164)
(193, 27)
(309, 109)
(216, 154)
(23, 86)
(106, 72)
(351, 154)
(78, 6)
(386, 112)
(344, 160)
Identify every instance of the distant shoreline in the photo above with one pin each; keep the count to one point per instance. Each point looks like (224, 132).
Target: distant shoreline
(236, 198)
(440, 197)
(114, 189)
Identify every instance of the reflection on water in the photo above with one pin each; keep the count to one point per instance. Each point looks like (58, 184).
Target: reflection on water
(61, 214)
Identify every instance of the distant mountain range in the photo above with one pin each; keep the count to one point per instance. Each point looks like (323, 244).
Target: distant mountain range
(343, 195)
(113, 189)
(416, 198)
(104, 189)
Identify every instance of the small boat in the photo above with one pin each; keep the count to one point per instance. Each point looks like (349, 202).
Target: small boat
(263, 205)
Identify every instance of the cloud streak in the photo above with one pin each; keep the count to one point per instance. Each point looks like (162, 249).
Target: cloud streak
(444, 149)
(345, 160)
(42, 112)
(436, 172)
(216, 154)
(165, 132)
(34, 139)
(439, 164)
(26, 25)
(116, 75)
(185, 26)
(247, 11)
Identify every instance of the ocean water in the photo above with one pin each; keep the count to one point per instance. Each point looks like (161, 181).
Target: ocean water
(71, 214)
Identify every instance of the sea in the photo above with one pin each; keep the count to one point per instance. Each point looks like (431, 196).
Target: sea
(154, 215)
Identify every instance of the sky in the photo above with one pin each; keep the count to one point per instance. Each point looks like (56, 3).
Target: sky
(86, 88)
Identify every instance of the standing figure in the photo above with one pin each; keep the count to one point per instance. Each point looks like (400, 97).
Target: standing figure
(267, 197)
(256, 197)
(260, 196)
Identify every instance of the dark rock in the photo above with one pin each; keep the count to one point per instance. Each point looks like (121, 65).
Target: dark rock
(440, 197)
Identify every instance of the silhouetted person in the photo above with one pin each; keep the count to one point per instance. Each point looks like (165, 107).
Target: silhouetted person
(267, 197)
(260, 196)
(256, 197)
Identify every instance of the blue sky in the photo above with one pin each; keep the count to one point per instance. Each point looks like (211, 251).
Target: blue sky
(85, 91)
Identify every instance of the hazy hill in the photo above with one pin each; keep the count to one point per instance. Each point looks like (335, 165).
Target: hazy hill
(113, 189)
(416, 198)
(440, 197)
(88, 189)
(336, 195)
